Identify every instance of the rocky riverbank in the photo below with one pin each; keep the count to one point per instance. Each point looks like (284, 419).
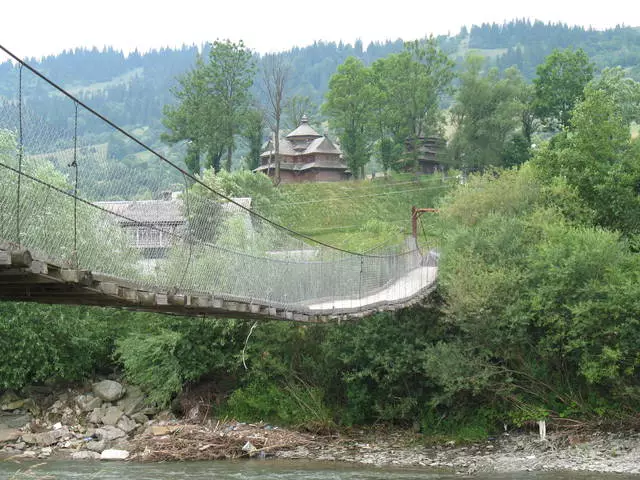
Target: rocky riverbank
(110, 421)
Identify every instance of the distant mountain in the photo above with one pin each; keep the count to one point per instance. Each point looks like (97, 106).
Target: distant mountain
(132, 89)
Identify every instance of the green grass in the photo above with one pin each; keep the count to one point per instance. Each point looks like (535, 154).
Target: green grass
(361, 214)
(635, 130)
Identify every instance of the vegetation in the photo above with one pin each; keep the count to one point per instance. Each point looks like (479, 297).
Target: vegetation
(213, 102)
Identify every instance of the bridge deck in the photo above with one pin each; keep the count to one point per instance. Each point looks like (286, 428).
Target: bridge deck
(23, 278)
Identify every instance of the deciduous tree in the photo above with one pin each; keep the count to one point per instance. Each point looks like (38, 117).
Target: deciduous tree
(349, 109)
(213, 99)
(559, 86)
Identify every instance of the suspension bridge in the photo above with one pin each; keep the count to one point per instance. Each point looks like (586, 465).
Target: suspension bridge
(77, 226)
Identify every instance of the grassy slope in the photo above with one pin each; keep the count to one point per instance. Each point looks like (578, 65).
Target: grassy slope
(358, 215)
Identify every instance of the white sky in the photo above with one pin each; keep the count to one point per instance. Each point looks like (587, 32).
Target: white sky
(40, 27)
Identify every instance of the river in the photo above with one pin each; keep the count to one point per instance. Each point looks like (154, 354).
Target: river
(249, 470)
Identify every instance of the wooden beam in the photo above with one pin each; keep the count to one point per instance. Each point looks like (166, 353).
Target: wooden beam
(21, 258)
(5, 258)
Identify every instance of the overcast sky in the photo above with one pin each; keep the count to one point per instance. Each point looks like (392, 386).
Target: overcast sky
(40, 27)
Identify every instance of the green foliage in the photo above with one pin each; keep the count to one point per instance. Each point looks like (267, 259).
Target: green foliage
(546, 299)
(622, 90)
(559, 85)
(172, 352)
(410, 86)
(213, 100)
(291, 404)
(486, 114)
(349, 109)
(598, 158)
(254, 133)
(54, 344)
(150, 362)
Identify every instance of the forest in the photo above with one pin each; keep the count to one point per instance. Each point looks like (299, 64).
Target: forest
(535, 315)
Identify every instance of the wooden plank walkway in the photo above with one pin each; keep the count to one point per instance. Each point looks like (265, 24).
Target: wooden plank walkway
(27, 279)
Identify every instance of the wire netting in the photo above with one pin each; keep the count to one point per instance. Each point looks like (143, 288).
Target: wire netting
(106, 203)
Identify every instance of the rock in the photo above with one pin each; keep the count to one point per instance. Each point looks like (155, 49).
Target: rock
(122, 444)
(15, 420)
(140, 418)
(29, 454)
(8, 435)
(57, 426)
(15, 405)
(58, 407)
(150, 411)
(133, 401)
(46, 438)
(108, 390)
(249, 448)
(113, 454)
(89, 402)
(96, 446)
(8, 397)
(112, 415)
(45, 452)
(85, 455)
(96, 416)
(126, 424)
(109, 433)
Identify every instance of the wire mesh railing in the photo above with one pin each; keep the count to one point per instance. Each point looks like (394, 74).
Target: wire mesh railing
(109, 204)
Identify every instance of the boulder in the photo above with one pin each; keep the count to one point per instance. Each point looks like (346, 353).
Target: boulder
(133, 401)
(140, 418)
(88, 403)
(85, 455)
(96, 416)
(8, 435)
(126, 424)
(7, 398)
(108, 390)
(113, 454)
(96, 446)
(109, 433)
(112, 415)
(46, 452)
(14, 405)
(46, 438)
(15, 420)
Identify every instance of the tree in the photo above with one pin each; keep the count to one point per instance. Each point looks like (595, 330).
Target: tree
(275, 74)
(213, 99)
(599, 160)
(413, 82)
(389, 126)
(296, 107)
(623, 90)
(254, 134)
(486, 115)
(348, 106)
(559, 86)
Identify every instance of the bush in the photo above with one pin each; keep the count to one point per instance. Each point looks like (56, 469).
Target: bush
(54, 343)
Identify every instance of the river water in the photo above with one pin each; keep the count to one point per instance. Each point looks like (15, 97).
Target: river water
(250, 470)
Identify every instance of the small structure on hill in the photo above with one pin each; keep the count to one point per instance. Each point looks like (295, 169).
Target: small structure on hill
(305, 156)
(429, 149)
